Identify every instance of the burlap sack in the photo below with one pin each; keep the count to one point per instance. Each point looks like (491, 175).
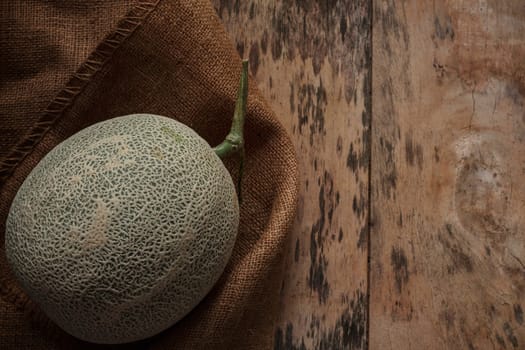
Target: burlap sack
(168, 57)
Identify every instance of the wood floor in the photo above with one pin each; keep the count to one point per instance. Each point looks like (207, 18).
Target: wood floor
(408, 118)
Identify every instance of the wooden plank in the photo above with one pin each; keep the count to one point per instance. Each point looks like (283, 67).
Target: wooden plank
(311, 60)
(448, 165)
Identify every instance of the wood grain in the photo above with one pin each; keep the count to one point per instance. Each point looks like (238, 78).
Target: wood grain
(311, 60)
(447, 246)
(448, 163)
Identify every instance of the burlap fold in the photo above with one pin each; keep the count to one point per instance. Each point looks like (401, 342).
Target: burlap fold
(166, 57)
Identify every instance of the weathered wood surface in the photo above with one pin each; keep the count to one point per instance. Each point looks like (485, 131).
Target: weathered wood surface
(448, 170)
(447, 189)
(311, 60)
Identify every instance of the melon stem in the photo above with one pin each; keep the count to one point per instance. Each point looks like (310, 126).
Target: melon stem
(234, 141)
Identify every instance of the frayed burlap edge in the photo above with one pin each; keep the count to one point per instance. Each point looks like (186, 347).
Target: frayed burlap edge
(75, 85)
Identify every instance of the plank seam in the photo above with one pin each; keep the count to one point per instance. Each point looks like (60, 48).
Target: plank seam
(369, 214)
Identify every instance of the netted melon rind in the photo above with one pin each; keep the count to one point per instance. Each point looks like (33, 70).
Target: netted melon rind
(123, 228)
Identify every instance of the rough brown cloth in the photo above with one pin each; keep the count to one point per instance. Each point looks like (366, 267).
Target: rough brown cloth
(167, 57)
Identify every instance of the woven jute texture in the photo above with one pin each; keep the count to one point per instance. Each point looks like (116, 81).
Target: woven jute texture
(68, 64)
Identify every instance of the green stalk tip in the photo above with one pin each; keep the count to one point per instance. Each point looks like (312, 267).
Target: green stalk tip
(234, 141)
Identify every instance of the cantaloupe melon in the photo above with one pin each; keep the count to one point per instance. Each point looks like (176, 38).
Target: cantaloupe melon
(124, 227)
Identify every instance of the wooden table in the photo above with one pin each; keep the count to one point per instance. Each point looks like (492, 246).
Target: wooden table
(408, 118)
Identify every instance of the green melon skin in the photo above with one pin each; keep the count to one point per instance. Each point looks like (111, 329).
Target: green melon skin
(123, 228)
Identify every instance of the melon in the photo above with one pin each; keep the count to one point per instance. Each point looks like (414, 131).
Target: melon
(123, 228)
